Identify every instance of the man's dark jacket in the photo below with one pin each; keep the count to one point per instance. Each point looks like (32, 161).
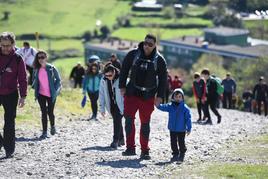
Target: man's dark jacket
(125, 73)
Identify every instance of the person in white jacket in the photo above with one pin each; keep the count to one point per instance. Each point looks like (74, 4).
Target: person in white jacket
(112, 101)
(28, 54)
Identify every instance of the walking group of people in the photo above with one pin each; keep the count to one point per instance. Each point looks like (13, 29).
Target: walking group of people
(137, 85)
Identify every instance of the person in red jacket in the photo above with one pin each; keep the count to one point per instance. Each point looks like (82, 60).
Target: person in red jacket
(12, 75)
(176, 83)
(199, 90)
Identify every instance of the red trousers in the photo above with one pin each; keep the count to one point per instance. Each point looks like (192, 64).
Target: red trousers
(132, 104)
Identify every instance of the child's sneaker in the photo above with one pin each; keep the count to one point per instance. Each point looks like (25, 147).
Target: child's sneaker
(53, 130)
(145, 155)
(175, 158)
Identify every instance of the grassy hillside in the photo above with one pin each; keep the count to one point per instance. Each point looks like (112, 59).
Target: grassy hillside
(60, 17)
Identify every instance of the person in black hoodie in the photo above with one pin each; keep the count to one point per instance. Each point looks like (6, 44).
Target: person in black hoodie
(146, 86)
(212, 96)
(260, 94)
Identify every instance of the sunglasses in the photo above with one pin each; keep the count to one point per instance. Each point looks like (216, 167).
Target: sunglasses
(41, 57)
(148, 44)
(108, 76)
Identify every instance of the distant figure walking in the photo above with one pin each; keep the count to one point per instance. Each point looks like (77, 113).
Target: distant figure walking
(47, 86)
(211, 96)
(229, 85)
(176, 83)
(115, 61)
(28, 54)
(260, 94)
(77, 75)
(199, 90)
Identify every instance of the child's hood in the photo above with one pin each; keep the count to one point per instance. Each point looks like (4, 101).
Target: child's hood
(177, 90)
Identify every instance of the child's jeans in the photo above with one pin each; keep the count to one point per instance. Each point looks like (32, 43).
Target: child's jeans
(175, 139)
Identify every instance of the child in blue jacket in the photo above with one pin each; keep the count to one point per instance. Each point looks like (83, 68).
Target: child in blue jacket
(179, 123)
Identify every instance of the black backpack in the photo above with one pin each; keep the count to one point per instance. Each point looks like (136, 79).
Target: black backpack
(144, 72)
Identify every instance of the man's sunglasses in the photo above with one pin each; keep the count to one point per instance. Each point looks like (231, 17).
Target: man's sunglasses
(148, 44)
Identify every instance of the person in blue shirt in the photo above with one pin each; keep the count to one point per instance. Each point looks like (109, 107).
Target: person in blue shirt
(179, 123)
(91, 84)
(229, 85)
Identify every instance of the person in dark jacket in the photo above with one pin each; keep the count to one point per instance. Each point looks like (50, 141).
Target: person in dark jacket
(115, 61)
(47, 86)
(229, 85)
(77, 74)
(12, 77)
(211, 96)
(247, 97)
(145, 87)
(199, 90)
(260, 94)
(179, 123)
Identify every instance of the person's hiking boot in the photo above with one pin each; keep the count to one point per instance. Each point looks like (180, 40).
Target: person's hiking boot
(121, 142)
(53, 130)
(199, 120)
(219, 119)
(129, 152)
(208, 121)
(114, 145)
(9, 154)
(181, 157)
(145, 155)
(175, 158)
(43, 136)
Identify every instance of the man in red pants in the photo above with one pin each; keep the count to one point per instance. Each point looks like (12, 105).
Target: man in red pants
(146, 86)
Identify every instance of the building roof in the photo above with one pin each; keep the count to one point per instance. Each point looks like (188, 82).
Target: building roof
(197, 44)
(226, 31)
(119, 46)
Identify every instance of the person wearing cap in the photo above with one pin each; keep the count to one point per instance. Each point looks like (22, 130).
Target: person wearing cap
(77, 75)
(13, 89)
(115, 62)
(179, 123)
(93, 59)
(91, 84)
(229, 85)
(112, 101)
(260, 94)
(199, 90)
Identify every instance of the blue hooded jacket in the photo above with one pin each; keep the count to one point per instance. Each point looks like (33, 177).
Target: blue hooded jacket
(179, 119)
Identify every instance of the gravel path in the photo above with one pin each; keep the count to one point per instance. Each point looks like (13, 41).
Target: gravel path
(81, 148)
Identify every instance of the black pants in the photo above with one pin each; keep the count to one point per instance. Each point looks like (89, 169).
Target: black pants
(94, 102)
(227, 100)
(212, 103)
(200, 108)
(30, 70)
(175, 139)
(117, 121)
(259, 106)
(78, 82)
(47, 109)
(9, 103)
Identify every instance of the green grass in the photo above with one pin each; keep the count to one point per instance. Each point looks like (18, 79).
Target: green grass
(255, 26)
(239, 171)
(164, 21)
(61, 17)
(138, 34)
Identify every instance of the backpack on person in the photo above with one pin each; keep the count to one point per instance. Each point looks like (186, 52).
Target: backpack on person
(144, 72)
(220, 87)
